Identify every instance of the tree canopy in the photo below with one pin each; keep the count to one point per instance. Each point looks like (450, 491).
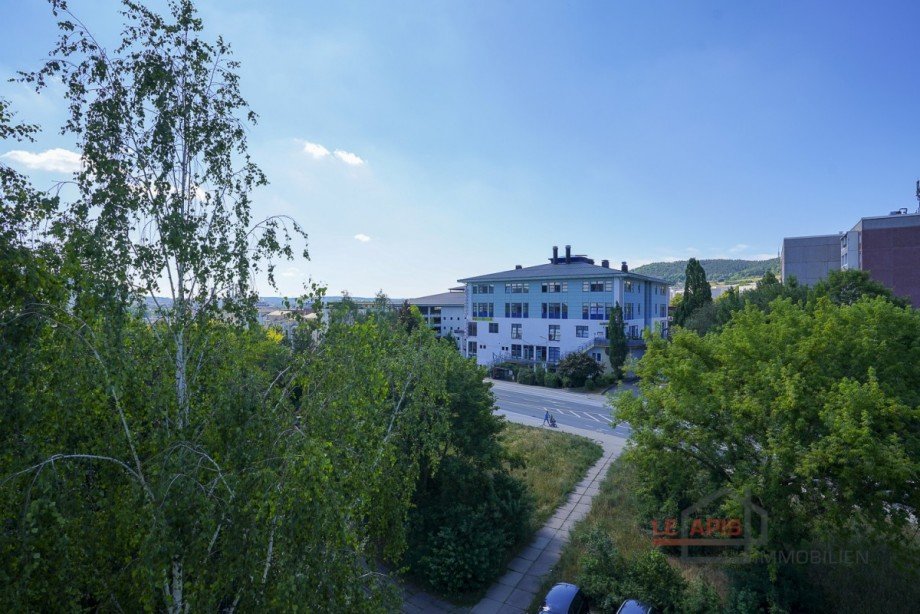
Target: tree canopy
(813, 408)
(697, 292)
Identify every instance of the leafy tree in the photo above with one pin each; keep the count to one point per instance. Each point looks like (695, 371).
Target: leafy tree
(409, 317)
(578, 367)
(697, 292)
(799, 406)
(617, 350)
(847, 287)
(468, 511)
(189, 461)
(704, 319)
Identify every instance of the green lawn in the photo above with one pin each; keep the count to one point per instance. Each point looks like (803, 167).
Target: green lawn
(551, 463)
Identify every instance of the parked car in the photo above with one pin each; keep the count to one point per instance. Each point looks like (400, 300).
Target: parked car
(632, 606)
(565, 598)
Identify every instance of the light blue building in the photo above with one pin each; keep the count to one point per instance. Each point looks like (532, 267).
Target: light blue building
(538, 314)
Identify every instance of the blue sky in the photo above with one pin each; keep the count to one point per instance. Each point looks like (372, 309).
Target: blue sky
(473, 136)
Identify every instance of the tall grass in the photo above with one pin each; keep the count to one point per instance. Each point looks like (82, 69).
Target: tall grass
(550, 462)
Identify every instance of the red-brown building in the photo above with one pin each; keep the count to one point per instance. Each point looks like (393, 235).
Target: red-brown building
(888, 247)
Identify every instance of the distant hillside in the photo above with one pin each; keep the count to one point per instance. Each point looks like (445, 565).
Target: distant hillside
(717, 271)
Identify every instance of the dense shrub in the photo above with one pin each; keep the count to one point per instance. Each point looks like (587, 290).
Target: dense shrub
(551, 380)
(468, 510)
(525, 376)
(539, 375)
(609, 578)
(460, 537)
(590, 385)
(578, 367)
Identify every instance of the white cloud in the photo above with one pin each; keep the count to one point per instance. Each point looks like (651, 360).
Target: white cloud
(315, 149)
(362, 237)
(349, 158)
(737, 249)
(290, 272)
(55, 160)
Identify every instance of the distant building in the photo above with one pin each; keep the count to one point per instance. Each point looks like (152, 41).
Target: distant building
(538, 314)
(886, 246)
(444, 313)
(809, 259)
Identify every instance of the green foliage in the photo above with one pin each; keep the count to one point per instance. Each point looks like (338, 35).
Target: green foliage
(590, 386)
(719, 270)
(539, 375)
(697, 292)
(798, 404)
(525, 375)
(609, 578)
(617, 350)
(194, 461)
(465, 525)
(465, 489)
(552, 380)
(578, 367)
(847, 287)
(700, 598)
(703, 319)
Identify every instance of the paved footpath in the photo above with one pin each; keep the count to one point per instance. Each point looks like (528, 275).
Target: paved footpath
(515, 590)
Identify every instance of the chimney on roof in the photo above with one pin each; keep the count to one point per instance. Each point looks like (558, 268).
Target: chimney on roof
(624, 268)
(568, 254)
(517, 266)
(555, 254)
(605, 264)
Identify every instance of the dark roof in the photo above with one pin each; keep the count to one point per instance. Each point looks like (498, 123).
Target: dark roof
(445, 298)
(559, 271)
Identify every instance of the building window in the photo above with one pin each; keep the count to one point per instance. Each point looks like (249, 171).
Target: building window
(493, 327)
(471, 348)
(553, 354)
(554, 333)
(550, 287)
(516, 310)
(483, 310)
(515, 331)
(595, 311)
(598, 285)
(662, 311)
(517, 288)
(555, 311)
(483, 288)
(541, 353)
(581, 331)
(628, 311)
(628, 285)
(471, 329)
(515, 350)
(639, 308)
(633, 332)
(528, 352)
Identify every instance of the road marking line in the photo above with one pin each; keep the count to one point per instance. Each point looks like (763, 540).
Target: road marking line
(591, 416)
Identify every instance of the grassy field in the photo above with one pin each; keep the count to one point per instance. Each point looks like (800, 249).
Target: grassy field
(551, 463)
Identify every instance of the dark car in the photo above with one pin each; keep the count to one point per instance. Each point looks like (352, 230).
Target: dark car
(635, 607)
(565, 598)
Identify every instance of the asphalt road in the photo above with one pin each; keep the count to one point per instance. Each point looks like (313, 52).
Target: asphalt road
(578, 409)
